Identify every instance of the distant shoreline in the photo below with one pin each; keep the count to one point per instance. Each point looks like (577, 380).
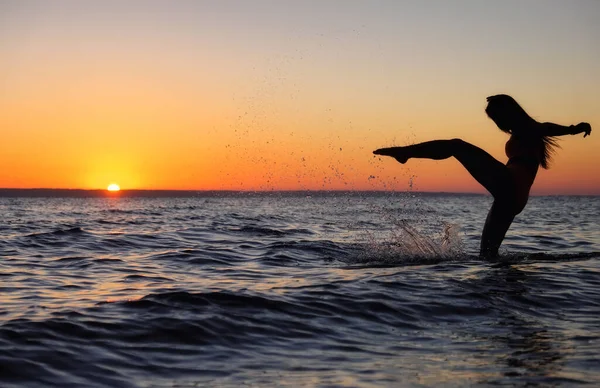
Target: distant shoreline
(141, 193)
(145, 193)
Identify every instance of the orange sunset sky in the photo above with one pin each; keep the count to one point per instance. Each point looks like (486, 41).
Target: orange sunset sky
(286, 95)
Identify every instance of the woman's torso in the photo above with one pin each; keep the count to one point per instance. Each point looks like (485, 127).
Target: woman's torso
(523, 162)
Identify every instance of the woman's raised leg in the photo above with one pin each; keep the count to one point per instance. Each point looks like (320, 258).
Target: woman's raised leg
(489, 172)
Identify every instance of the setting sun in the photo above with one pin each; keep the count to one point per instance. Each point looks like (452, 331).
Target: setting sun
(113, 187)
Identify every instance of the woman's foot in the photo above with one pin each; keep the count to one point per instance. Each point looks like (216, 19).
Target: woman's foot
(397, 153)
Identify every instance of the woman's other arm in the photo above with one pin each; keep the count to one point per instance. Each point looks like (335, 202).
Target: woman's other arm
(551, 129)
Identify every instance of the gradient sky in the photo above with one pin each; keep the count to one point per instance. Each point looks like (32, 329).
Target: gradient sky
(262, 95)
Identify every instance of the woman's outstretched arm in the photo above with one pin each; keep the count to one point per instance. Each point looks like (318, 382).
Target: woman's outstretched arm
(551, 129)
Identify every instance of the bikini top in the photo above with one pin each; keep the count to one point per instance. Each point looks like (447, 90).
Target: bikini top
(523, 150)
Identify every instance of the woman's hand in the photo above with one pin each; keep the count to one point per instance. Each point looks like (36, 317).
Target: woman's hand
(584, 128)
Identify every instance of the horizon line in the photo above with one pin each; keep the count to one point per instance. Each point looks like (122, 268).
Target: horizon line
(72, 192)
(8, 189)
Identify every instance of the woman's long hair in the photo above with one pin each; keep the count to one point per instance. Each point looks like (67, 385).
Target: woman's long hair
(511, 118)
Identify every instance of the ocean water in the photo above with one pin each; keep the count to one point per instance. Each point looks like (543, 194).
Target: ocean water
(296, 289)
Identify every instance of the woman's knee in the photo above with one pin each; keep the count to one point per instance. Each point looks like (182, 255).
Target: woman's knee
(459, 143)
(459, 147)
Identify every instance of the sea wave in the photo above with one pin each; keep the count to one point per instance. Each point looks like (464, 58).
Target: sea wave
(269, 291)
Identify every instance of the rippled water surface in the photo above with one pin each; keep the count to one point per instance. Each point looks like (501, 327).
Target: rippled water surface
(277, 289)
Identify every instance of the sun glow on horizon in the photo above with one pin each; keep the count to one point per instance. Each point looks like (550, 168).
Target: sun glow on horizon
(113, 187)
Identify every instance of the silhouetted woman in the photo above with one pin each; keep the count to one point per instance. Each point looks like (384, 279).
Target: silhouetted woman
(530, 145)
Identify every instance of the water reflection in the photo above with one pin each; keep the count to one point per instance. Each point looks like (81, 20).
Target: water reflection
(525, 348)
(534, 352)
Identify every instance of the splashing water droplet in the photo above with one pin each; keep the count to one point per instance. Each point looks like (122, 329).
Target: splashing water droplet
(406, 245)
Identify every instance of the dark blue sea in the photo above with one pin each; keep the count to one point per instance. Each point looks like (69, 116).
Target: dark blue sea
(296, 290)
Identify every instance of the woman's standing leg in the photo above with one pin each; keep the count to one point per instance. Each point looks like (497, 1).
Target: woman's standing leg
(498, 220)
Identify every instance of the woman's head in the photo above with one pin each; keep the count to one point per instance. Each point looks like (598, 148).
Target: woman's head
(511, 118)
(507, 113)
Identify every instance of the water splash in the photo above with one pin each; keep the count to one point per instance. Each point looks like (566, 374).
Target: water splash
(405, 244)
